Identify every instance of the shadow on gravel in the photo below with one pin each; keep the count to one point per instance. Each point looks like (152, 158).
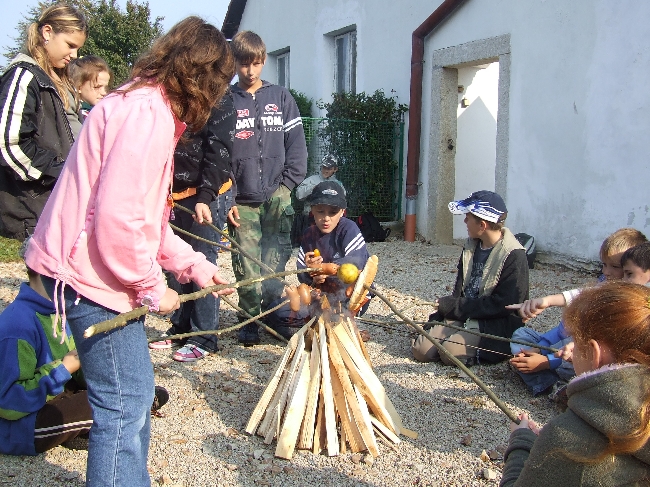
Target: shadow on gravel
(31, 471)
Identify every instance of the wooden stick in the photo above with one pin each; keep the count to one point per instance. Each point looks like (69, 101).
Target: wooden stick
(490, 393)
(308, 422)
(223, 330)
(328, 397)
(123, 318)
(295, 412)
(256, 320)
(356, 410)
(273, 383)
(201, 239)
(465, 330)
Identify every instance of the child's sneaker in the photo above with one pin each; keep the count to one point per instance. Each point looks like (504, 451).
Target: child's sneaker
(161, 344)
(189, 353)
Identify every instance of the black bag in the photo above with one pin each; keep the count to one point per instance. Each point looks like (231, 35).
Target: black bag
(528, 243)
(371, 229)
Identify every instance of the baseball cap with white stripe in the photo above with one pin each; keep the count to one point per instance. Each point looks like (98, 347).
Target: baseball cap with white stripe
(486, 205)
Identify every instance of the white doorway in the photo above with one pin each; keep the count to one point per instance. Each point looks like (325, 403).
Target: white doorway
(475, 161)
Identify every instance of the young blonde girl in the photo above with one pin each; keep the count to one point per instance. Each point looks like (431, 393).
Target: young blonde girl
(91, 77)
(602, 438)
(104, 238)
(36, 134)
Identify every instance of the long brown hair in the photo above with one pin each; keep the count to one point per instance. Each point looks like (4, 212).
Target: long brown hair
(194, 65)
(616, 314)
(62, 18)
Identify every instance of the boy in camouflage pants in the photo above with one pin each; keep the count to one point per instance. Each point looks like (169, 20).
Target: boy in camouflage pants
(269, 159)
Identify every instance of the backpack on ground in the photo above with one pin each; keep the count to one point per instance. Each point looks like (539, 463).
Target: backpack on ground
(371, 229)
(528, 243)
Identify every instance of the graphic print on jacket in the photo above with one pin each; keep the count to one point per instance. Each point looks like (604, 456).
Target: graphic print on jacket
(271, 120)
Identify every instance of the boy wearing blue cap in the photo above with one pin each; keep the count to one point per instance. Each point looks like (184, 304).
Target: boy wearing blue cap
(492, 273)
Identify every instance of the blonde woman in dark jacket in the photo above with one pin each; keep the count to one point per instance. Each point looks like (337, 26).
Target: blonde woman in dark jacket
(36, 135)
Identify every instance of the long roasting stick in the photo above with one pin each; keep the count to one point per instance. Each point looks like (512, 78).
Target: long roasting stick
(490, 393)
(124, 318)
(466, 330)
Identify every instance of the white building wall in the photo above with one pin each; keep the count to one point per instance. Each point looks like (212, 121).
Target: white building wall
(578, 153)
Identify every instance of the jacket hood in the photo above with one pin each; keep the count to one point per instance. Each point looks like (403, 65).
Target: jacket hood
(240, 91)
(610, 399)
(30, 63)
(34, 300)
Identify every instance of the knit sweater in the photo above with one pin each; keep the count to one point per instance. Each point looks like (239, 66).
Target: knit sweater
(32, 370)
(603, 402)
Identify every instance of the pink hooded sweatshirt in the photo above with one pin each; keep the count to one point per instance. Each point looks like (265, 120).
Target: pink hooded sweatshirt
(104, 230)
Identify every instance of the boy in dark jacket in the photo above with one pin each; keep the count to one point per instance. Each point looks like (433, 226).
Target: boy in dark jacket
(492, 273)
(269, 160)
(338, 241)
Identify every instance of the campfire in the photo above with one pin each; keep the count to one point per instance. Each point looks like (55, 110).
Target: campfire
(324, 394)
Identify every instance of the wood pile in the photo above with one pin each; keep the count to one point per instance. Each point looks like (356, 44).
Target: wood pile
(324, 394)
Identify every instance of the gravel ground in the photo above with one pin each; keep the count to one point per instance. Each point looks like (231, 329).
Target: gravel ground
(199, 440)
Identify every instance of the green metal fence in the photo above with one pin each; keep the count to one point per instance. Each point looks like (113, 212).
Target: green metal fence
(370, 162)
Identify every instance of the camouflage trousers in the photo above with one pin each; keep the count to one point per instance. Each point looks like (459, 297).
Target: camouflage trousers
(265, 233)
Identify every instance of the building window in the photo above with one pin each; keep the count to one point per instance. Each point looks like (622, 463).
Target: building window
(345, 67)
(283, 69)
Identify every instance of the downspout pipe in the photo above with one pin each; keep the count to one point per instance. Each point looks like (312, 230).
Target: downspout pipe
(415, 110)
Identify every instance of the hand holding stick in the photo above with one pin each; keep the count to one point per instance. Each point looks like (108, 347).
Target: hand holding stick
(124, 318)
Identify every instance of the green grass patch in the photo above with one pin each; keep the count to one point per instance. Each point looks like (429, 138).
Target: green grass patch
(9, 250)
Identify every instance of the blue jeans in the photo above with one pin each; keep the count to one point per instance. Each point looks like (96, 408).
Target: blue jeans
(538, 382)
(120, 381)
(201, 314)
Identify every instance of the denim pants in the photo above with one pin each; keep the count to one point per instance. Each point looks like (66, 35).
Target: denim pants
(201, 314)
(538, 382)
(265, 233)
(120, 381)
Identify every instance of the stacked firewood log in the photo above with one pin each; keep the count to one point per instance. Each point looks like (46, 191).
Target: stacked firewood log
(324, 394)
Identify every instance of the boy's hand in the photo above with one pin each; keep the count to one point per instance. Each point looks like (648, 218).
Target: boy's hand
(71, 361)
(566, 352)
(233, 215)
(527, 362)
(530, 308)
(312, 261)
(525, 423)
(203, 213)
(318, 280)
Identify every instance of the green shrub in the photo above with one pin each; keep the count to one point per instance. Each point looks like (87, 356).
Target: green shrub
(363, 132)
(303, 101)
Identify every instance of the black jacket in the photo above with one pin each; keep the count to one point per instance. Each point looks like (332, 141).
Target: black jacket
(489, 308)
(269, 147)
(202, 159)
(34, 144)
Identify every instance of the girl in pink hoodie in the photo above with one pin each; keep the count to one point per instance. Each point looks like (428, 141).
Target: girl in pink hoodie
(103, 238)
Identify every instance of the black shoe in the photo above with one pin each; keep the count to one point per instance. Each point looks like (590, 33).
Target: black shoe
(160, 398)
(249, 335)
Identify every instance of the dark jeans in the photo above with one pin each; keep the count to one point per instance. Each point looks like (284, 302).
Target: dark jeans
(201, 314)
